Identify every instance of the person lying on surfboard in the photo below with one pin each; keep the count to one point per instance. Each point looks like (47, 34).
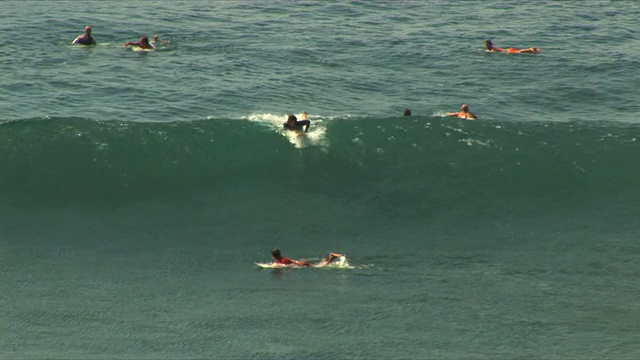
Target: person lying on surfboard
(490, 48)
(279, 259)
(293, 123)
(464, 113)
(85, 39)
(143, 43)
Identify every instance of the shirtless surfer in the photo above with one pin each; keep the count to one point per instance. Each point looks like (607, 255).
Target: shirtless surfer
(85, 39)
(293, 123)
(279, 259)
(490, 48)
(143, 43)
(464, 113)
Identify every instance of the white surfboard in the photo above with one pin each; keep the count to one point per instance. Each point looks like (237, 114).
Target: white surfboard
(137, 48)
(274, 266)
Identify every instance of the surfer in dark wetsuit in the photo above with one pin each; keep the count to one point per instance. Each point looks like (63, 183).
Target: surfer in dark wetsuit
(85, 39)
(142, 44)
(279, 259)
(294, 124)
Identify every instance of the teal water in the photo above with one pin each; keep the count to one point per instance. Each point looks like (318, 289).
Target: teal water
(137, 189)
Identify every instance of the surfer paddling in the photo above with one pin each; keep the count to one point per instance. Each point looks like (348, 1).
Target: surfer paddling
(464, 113)
(490, 48)
(279, 259)
(143, 43)
(293, 123)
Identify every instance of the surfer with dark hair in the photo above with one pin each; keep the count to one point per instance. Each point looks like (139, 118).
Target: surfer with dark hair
(293, 123)
(279, 259)
(143, 43)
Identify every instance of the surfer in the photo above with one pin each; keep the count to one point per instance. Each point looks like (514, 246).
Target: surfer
(279, 259)
(464, 113)
(293, 123)
(143, 43)
(407, 112)
(490, 48)
(85, 39)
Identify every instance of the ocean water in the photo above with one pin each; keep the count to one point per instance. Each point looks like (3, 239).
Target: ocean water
(137, 189)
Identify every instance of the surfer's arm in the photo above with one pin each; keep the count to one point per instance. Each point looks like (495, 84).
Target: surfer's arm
(452, 114)
(305, 124)
(84, 40)
(131, 43)
(288, 261)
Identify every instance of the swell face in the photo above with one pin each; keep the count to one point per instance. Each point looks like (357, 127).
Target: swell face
(407, 167)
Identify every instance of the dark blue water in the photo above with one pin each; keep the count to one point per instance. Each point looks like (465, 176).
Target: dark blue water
(137, 189)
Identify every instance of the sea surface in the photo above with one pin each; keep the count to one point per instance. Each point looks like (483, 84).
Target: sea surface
(137, 189)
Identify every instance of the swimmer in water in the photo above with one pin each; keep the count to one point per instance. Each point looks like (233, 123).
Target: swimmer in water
(143, 43)
(85, 39)
(293, 123)
(490, 48)
(464, 113)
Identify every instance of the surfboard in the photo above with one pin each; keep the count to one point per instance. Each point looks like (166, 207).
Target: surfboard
(274, 266)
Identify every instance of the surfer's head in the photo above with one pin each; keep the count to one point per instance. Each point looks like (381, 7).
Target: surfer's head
(144, 40)
(488, 44)
(276, 253)
(464, 108)
(87, 30)
(292, 118)
(407, 112)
